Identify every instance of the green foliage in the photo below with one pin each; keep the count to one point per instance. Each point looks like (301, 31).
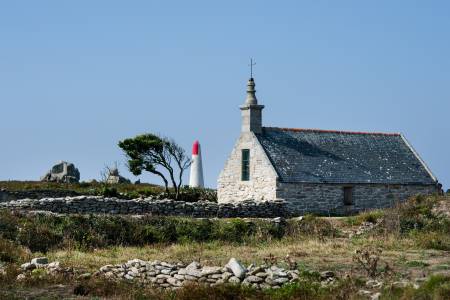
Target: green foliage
(311, 226)
(10, 252)
(142, 152)
(437, 287)
(417, 264)
(109, 191)
(120, 190)
(159, 156)
(371, 216)
(432, 240)
(44, 232)
(189, 194)
(38, 236)
(8, 225)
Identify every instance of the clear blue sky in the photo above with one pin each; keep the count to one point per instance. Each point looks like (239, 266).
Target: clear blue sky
(78, 76)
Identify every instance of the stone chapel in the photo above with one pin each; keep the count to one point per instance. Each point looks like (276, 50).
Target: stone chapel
(320, 171)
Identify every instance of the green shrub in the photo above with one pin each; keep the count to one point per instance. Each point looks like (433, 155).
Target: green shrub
(44, 232)
(372, 216)
(432, 240)
(10, 252)
(9, 225)
(437, 287)
(38, 237)
(311, 226)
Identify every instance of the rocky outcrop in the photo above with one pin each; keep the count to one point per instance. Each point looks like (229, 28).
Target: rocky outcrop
(114, 177)
(62, 172)
(166, 207)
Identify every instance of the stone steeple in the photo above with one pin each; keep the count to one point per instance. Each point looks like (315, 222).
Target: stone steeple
(251, 111)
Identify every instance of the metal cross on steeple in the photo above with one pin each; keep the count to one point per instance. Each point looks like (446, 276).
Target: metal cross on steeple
(251, 67)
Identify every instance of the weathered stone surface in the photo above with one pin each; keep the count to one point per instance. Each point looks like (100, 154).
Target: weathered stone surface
(234, 279)
(113, 177)
(254, 279)
(208, 275)
(28, 266)
(62, 172)
(40, 261)
(236, 267)
(164, 207)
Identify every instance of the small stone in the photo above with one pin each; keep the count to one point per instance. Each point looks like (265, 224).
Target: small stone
(28, 266)
(375, 296)
(178, 276)
(254, 279)
(173, 281)
(234, 279)
(327, 274)
(20, 277)
(262, 274)
(106, 268)
(210, 270)
(374, 284)
(255, 270)
(53, 265)
(400, 284)
(280, 280)
(364, 293)
(190, 278)
(226, 275)
(40, 261)
(193, 266)
(166, 271)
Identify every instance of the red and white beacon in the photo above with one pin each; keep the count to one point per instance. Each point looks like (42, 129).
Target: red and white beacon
(196, 176)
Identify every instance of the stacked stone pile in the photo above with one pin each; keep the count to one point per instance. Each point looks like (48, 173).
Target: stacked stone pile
(173, 276)
(52, 268)
(165, 207)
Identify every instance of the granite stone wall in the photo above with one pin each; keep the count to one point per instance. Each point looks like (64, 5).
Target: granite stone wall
(262, 183)
(167, 207)
(328, 199)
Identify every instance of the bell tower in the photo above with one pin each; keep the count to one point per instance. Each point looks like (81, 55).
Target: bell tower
(251, 111)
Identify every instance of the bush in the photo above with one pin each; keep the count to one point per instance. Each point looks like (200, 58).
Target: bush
(311, 226)
(38, 237)
(44, 232)
(10, 252)
(372, 216)
(9, 225)
(189, 194)
(432, 240)
(437, 287)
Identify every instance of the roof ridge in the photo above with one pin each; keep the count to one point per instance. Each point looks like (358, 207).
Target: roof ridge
(334, 131)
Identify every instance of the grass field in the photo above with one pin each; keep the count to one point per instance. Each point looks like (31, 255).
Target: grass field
(415, 249)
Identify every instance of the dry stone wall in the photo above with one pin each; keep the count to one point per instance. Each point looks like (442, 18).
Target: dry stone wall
(166, 207)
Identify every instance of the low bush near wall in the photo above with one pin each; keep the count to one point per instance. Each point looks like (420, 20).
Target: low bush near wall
(43, 232)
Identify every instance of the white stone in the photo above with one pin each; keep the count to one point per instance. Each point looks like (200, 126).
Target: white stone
(236, 267)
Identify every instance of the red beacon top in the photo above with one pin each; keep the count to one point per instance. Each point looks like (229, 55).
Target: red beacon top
(195, 148)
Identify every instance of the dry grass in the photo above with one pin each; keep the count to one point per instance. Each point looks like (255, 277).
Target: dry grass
(332, 254)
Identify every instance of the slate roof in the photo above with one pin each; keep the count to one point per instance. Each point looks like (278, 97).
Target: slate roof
(319, 156)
